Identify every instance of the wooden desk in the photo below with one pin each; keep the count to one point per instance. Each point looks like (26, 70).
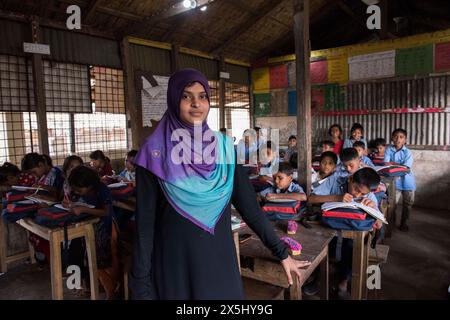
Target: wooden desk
(258, 262)
(127, 204)
(55, 236)
(4, 259)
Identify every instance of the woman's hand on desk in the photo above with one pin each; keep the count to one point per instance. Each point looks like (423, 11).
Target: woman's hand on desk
(291, 265)
(77, 210)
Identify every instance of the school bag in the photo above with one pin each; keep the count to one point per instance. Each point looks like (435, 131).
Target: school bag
(15, 211)
(394, 171)
(53, 217)
(122, 192)
(347, 219)
(283, 210)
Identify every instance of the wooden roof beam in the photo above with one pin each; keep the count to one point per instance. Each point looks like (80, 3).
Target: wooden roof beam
(242, 28)
(88, 13)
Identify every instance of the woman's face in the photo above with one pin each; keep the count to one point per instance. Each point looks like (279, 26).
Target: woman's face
(194, 104)
(97, 164)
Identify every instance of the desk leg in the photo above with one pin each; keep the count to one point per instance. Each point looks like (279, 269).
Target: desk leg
(3, 242)
(357, 265)
(56, 265)
(324, 276)
(295, 291)
(31, 249)
(236, 244)
(366, 265)
(92, 260)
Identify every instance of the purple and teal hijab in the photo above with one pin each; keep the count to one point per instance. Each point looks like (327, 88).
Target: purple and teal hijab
(198, 190)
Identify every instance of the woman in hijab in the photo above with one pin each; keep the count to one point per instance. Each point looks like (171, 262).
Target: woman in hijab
(183, 247)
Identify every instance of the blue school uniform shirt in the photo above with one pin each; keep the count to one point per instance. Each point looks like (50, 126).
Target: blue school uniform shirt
(336, 185)
(293, 188)
(404, 157)
(367, 161)
(54, 178)
(348, 143)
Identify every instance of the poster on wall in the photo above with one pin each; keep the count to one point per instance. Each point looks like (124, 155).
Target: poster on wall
(442, 57)
(279, 103)
(153, 98)
(338, 69)
(287, 126)
(372, 66)
(317, 99)
(260, 79)
(412, 61)
(262, 104)
(319, 71)
(279, 77)
(292, 103)
(291, 74)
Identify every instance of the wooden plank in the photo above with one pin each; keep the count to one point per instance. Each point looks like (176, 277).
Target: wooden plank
(3, 242)
(324, 278)
(16, 257)
(56, 265)
(133, 116)
(39, 95)
(222, 95)
(92, 260)
(89, 11)
(357, 266)
(303, 87)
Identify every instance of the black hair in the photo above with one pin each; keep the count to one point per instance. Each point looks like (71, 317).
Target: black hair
(293, 160)
(32, 160)
(399, 130)
(359, 144)
(48, 160)
(132, 153)
(328, 143)
(223, 130)
(329, 154)
(8, 170)
(286, 168)
(357, 126)
(334, 126)
(68, 161)
(271, 145)
(98, 155)
(349, 154)
(379, 142)
(84, 177)
(257, 129)
(367, 177)
(292, 137)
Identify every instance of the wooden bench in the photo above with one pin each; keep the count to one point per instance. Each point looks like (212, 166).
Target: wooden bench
(55, 236)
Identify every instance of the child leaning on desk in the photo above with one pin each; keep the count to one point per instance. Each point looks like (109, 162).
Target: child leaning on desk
(87, 187)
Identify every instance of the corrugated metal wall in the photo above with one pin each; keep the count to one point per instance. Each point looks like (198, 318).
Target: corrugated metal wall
(424, 129)
(208, 66)
(238, 74)
(66, 46)
(153, 60)
(12, 36)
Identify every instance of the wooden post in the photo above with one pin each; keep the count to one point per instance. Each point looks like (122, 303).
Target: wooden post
(222, 122)
(303, 88)
(133, 119)
(39, 94)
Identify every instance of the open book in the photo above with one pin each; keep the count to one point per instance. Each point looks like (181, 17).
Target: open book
(36, 199)
(378, 168)
(355, 205)
(74, 204)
